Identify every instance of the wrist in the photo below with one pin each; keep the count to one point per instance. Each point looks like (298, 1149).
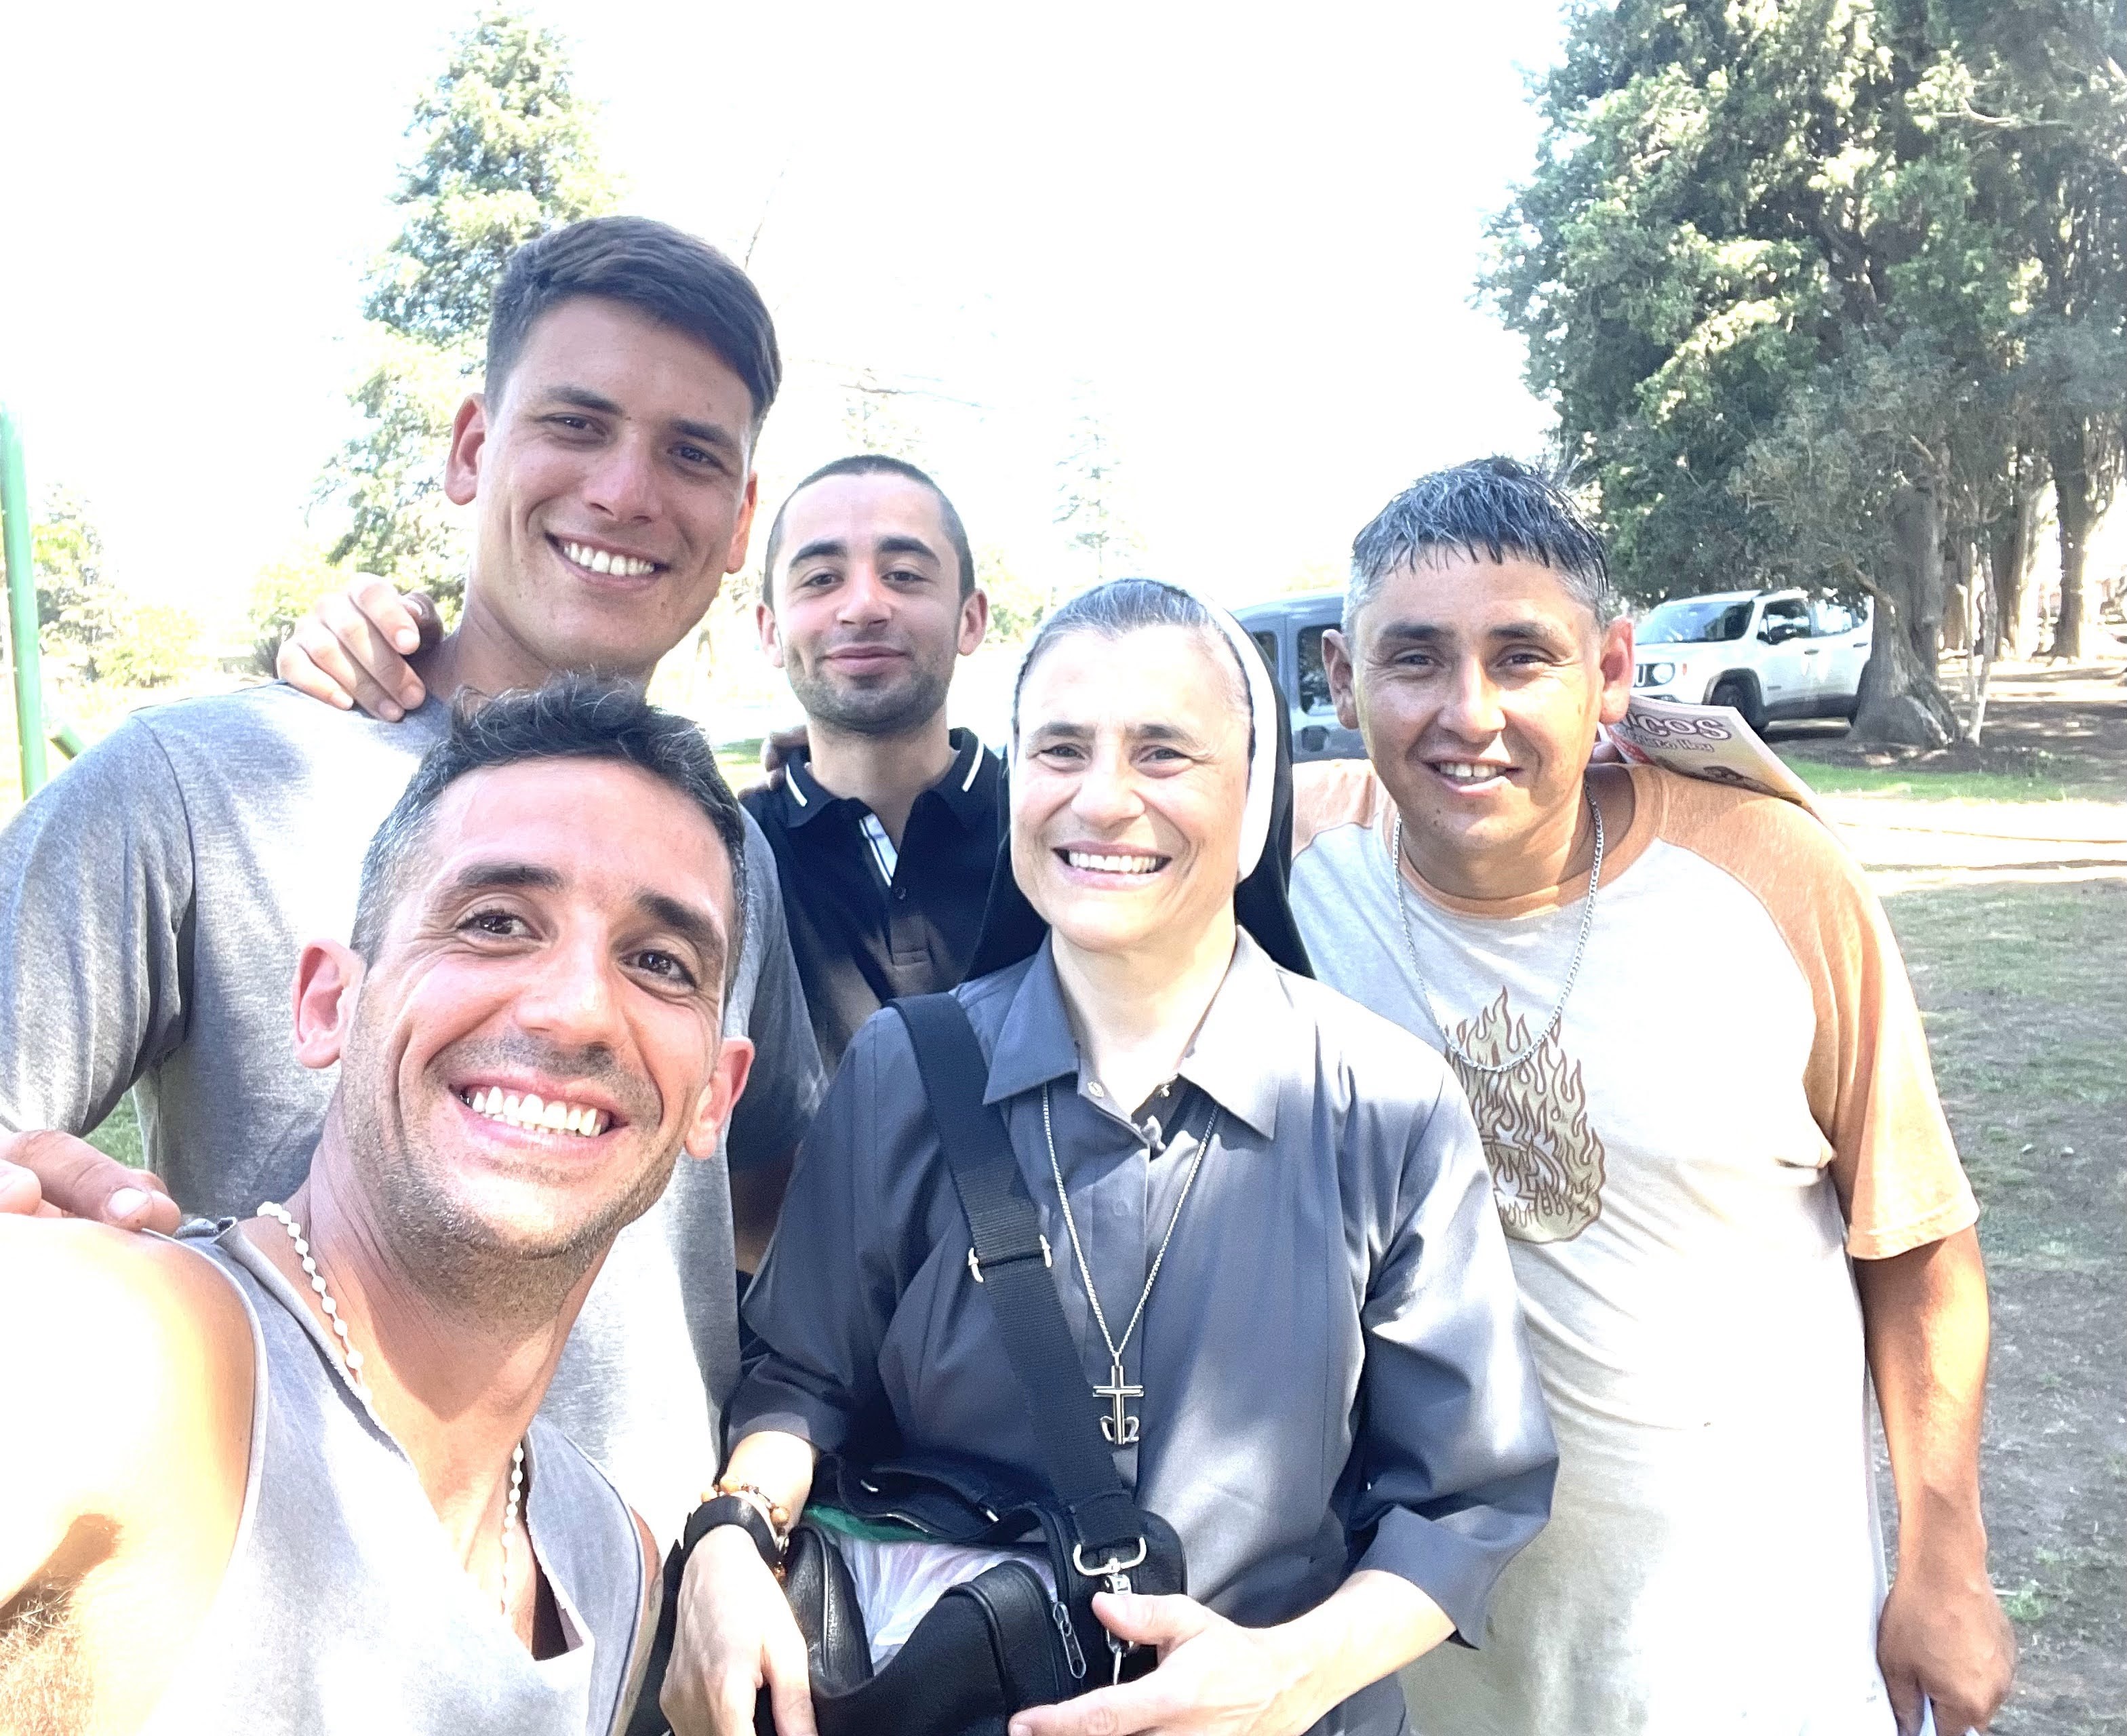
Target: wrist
(727, 1513)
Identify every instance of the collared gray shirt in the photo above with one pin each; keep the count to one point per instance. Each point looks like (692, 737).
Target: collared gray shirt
(1334, 1369)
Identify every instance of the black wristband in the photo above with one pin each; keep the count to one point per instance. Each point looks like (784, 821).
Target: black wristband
(732, 1510)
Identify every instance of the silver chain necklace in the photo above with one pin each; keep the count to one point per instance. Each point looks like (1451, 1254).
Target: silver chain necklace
(351, 1366)
(1572, 971)
(1119, 1427)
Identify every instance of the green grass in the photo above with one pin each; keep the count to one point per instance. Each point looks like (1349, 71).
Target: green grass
(119, 1134)
(1940, 786)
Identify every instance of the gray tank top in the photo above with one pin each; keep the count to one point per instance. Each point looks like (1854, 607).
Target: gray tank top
(343, 1610)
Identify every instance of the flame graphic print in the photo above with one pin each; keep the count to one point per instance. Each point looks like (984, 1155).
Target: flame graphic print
(1546, 1162)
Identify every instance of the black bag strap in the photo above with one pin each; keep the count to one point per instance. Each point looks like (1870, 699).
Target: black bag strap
(1010, 1259)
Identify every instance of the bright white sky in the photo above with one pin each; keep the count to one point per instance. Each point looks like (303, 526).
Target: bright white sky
(1247, 238)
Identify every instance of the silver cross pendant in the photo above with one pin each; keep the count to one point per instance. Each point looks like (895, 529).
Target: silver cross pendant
(1118, 1427)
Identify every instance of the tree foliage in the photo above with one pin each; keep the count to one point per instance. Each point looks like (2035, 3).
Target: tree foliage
(506, 151)
(1815, 284)
(78, 605)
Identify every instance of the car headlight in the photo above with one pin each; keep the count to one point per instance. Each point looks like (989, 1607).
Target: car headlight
(1658, 673)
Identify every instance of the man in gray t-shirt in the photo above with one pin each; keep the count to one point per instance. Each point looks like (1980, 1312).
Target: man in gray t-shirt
(155, 897)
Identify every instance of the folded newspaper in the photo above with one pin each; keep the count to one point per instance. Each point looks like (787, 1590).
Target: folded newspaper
(1710, 742)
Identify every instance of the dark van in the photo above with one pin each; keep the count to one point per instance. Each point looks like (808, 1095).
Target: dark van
(1289, 629)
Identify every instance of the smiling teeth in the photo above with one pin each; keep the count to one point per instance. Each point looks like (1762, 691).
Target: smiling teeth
(1111, 864)
(599, 560)
(530, 1112)
(1464, 773)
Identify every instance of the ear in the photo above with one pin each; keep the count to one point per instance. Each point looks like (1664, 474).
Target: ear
(1614, 660)
(328, 990)
(712, 1108)
(770, 631)
(974, 619)
(468, 440)
(742, 532)
(1337, 666)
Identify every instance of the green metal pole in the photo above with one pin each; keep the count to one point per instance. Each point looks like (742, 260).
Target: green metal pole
(22, 609)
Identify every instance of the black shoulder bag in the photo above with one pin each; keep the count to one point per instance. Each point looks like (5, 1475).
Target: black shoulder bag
(999, 1642)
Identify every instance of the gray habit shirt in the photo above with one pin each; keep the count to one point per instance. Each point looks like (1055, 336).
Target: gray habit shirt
(154, 899)
(1332, 1357)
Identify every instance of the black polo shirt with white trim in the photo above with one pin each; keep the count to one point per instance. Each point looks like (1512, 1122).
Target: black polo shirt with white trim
(868, 922)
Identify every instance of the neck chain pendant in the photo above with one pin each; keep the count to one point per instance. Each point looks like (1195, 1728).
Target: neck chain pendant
(1119, 1427)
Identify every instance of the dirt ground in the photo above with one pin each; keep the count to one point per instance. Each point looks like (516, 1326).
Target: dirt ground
(2013, 915)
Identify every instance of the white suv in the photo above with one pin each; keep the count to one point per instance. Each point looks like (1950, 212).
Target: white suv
(1769, 653)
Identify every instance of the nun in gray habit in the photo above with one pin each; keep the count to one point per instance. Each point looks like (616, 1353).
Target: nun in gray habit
(1275, 1245)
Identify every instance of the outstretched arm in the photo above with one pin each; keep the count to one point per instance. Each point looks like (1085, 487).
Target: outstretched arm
(1942, 1634)
(127, 1437)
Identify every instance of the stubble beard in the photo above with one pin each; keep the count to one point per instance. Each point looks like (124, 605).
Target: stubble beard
(893, 709)
(464, 1264)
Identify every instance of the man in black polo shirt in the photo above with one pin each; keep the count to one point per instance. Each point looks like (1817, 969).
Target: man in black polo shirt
(885, 825)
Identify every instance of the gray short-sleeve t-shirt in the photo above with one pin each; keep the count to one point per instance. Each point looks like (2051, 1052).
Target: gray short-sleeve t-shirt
(156, 897)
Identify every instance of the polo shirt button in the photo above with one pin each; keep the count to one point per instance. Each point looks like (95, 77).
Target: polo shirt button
(901, 893)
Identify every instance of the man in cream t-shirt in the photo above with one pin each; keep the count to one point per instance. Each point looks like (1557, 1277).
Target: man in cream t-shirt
(1704, 1089)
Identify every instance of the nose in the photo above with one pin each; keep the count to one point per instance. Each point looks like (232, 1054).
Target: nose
(569, 999)
(1107, 794)
(1470, 709)
(622, 483)
(861, 600)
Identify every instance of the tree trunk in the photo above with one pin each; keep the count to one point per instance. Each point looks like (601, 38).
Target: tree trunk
(1899, 703)
(2075, 507)
(2012, 544)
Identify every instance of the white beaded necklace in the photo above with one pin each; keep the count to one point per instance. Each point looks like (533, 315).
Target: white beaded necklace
(351, 1368)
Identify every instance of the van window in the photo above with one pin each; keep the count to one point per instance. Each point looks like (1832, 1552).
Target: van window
(1314, 679)
(1267, 643)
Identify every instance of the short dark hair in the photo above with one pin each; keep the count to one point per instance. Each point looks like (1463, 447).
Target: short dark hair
(1490, 507)
(573, 717)
(676, 278)
(1124, 607)
(871, 464)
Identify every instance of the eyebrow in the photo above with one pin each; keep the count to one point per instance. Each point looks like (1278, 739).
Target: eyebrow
(1148, 732)
(499, 876)
(822, 547)
(708, 434)
(1427, 632)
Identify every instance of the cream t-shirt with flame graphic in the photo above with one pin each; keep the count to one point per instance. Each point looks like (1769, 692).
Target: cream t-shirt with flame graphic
(1737, 1099)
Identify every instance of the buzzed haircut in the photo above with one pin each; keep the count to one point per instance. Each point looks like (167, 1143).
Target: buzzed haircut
(676, 278)
(871, 464)
(1490, 508)
(573, 717)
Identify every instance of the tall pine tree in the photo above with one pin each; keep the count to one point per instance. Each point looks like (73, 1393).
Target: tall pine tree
(506, 151)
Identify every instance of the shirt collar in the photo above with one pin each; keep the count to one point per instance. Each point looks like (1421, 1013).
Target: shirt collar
(968, 788)
(1034, 1045)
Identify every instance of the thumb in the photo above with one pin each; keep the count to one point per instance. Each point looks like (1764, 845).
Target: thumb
(1151, 1621)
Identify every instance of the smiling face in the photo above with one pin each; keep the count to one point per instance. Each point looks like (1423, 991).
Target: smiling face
(613, 475)
(865, 614)
(1478, 684)
(1127, 791)
(564, 940)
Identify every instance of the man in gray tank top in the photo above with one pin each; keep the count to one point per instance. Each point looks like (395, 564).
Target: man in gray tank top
(287, 1475)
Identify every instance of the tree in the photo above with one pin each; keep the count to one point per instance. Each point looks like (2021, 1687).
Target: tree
(1017, 603)
(1779, 268)
(506, 152)
(1090, 500)
(77, 604)
(2047, 100)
